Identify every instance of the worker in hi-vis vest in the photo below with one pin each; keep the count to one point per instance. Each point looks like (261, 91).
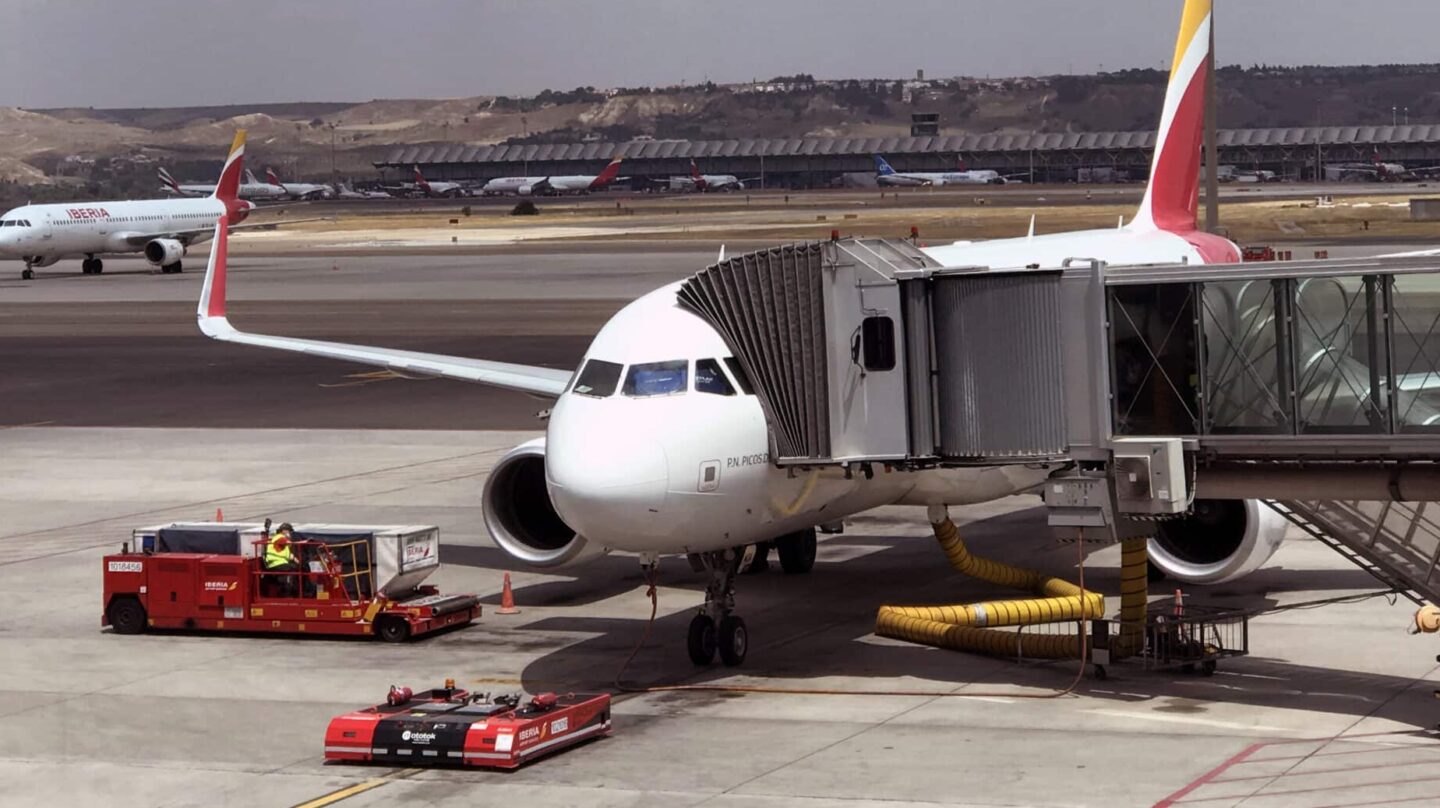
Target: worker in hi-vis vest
(280, 559)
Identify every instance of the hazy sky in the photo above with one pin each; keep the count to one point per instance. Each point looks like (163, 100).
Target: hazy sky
(120, 53)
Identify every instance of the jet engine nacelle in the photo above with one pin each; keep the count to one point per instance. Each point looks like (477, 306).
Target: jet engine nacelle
(525, 190)
(521, 517)
(164, 251)
(1223, 539)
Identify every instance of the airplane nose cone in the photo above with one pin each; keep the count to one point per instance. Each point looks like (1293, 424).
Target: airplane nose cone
(606, 486)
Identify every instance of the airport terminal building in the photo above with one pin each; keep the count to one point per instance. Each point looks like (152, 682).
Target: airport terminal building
(816, 162)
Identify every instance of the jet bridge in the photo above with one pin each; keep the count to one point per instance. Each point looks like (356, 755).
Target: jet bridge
(1314, 385)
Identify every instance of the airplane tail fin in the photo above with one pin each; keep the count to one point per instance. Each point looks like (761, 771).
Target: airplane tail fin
(608, 175)
(1172, 198)
(228, 188)
(960, 164)
(169, 181)
(881, 167)
(420, 180)
(271, 178)
(694, 171)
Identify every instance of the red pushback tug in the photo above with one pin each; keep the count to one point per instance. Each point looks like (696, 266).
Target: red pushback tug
(351, 580)
(447, 726)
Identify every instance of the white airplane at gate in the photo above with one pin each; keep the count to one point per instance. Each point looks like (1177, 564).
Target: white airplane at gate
(658, 446)
(251, 188)
(558, 184)
(297, 190)
(162, 229)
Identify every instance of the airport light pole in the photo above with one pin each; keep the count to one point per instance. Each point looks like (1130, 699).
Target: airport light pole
(334, 175)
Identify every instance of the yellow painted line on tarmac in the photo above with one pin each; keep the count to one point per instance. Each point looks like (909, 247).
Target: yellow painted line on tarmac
(359, 788)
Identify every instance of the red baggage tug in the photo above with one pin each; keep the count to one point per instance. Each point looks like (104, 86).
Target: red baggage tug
(448, 726)
(338, 590)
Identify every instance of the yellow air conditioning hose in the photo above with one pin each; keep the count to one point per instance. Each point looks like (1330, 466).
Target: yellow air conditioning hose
(972, 627)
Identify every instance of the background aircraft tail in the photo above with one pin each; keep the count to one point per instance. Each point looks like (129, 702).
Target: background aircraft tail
(228, 188)
(608, 175)
(694, 170)
(271, 178)
(1172, 198)
(169, 181)
(881, 167)
(420, 181)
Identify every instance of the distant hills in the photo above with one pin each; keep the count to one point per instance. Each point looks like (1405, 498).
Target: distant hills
(117, 149)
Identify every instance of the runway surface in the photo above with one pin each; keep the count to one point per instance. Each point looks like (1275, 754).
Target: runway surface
(122, 349)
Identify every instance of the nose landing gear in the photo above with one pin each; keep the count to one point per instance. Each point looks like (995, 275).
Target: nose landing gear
(715, 628)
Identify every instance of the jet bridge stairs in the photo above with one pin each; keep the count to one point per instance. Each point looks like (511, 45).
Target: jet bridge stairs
(1311, 385)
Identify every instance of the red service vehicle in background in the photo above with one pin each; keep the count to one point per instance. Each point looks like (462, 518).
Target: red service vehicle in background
(448, 726)
(352, 580)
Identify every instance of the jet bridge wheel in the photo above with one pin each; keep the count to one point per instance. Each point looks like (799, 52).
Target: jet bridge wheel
(797, 551)
(701, 641)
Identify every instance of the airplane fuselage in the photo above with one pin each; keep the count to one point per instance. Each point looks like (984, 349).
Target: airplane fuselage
(57, 231)
(914, 178)
(524, 186)
(684, 466)
(248, 190)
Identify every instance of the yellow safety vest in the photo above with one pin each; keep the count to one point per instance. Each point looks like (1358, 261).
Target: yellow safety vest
(278, 556)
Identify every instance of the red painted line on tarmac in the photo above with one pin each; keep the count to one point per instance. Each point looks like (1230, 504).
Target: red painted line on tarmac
(1381, 783)
(1323, 771)
(1211, 775)
(1244, 758)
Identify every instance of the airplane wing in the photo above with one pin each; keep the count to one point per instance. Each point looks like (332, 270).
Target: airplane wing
(197, 234)
(210, 313)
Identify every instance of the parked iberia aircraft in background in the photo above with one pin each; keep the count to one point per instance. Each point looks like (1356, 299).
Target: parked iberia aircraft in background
(657, 445)
(560, 184)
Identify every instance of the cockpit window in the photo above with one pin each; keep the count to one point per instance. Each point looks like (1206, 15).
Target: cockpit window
(657, 378)
(710, 379)
(739, 374)
(598, 378)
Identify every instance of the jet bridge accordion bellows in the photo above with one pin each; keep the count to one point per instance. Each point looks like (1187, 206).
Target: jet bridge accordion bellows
(769, 307)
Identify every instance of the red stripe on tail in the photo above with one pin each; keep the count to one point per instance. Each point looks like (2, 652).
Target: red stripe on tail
(219, 252)
(1175, 182)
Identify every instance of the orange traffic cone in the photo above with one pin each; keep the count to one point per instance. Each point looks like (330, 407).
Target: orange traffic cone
(219, 517)
(507, 599)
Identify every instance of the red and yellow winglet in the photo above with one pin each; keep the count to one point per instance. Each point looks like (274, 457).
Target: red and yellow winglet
(1172, 198)
(211, 309)
(228, 188)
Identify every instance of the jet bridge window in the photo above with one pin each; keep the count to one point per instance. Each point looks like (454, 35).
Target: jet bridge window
(877, 343)
(657, 378)
(710, 379)
(598, 378)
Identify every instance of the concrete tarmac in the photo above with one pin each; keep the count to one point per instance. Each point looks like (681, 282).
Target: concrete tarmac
(1330, 708)
(150, 422)
(122, 349)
